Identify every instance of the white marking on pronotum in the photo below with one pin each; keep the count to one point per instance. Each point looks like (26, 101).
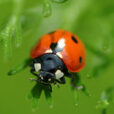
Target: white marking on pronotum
(37, 66)
(59, 54)
(59, 74)
(60, 45)
(42, 77)
(48, 51)
(49, 79)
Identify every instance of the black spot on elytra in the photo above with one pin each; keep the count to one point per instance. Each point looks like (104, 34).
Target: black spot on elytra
(74, 39)
(80, 59)
(53, 46)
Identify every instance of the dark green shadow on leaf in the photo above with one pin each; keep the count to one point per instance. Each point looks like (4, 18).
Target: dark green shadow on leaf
(48, 91)
(104, 111)
(35, 94)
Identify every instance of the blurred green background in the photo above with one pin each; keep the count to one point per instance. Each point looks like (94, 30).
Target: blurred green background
(91, 20)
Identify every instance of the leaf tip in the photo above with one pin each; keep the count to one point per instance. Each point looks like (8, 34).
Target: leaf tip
(10, 73)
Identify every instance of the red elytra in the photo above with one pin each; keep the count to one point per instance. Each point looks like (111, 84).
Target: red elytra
(73, 54)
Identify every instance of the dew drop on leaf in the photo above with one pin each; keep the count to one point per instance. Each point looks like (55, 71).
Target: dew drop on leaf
(47, 9)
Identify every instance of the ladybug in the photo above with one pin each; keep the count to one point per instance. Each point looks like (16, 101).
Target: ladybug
(55, 54)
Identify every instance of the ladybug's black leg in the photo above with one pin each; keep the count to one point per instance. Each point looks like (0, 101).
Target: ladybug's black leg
(33, 79)
(61, 81)
(33, 72)
(56, 84)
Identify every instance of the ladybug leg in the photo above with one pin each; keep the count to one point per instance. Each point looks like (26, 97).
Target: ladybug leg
(38, 80)
(61, 81)
(56, 84)
(33, 72)
(33, 79)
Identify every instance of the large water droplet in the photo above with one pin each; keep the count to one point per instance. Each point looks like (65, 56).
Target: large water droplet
(47, 9)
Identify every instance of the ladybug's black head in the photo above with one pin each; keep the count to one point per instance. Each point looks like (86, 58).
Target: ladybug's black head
(48, 68)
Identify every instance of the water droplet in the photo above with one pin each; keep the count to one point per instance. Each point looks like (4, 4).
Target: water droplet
(47, 9)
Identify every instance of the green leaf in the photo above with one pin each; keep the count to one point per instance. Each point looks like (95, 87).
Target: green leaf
(18, 6)
(20, 67)
(75, 96)
(105, 60)
(104, 111)
(6, 41)
(13, 26)
(76, 86)
(106, 99)
(47, 91)
(35, 95)
(84, 90)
